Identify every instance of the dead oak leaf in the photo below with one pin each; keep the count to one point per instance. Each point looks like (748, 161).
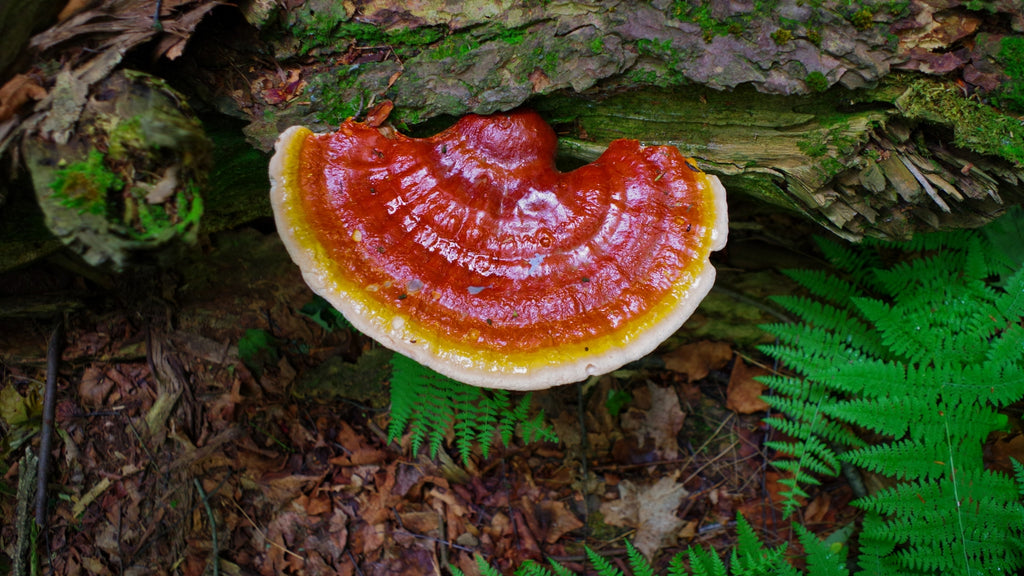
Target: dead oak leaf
(660, 423)
(651, 510)
(697, 360)
(358, 451)
(744, 392)
(558, 520)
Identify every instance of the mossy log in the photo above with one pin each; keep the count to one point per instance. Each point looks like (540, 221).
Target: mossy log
(872, 120)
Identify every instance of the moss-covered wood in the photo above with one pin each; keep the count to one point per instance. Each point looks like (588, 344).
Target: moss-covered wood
(874, 119)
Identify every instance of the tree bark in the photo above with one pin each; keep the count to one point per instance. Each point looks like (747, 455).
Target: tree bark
(871, 120)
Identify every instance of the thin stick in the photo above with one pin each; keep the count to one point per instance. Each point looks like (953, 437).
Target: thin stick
(157, 25)
(46, 434)
(213, 526)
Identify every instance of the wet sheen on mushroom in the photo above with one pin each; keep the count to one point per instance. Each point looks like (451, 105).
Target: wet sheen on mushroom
(469, 252)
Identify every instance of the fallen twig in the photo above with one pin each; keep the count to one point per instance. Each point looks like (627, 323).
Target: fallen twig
(213, 526)
(46, 434)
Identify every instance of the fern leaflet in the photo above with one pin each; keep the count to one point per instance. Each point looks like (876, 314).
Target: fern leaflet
(923, 352)
(430, 406)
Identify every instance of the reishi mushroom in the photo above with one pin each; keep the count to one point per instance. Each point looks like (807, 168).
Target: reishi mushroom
(469, 252)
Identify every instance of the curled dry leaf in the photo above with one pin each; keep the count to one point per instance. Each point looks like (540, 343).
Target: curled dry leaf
(651, 510)
(744, 393)
(697, 360)
(16, 93)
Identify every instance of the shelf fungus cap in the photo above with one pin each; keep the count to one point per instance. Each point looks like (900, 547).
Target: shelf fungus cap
(469, 252)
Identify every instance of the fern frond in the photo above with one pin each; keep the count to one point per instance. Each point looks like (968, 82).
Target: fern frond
(1018, 475)
(822, 558)
(676, 566)
(870, 377)
(922, 352)
(825, 286)
(972, 519)
(430, 406)
(856, 261)
(876, 551)
(533, 568)
(904, 460)
(819, 314)
(811, 454)
(751, 558)
(602, 565)
(485, 568)
(705, 563)
(1006, 352)
(1011, 302)
(639, 564)
(813, 352)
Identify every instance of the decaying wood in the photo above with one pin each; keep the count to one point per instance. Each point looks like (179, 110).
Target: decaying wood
(840, 113)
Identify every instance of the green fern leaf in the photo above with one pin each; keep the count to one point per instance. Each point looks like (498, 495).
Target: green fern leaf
(811, 454)
(953, 526)
(533, 568)
(602, 565)
(1018, 474)
(826, 286)
(823, 559)
(1011, 302)
(431, 406)
(677, 567)
(751, 558)
(923, 352)
(485, 568)
(639, 564)
(559, 570)
(705, 563)
(857, 262)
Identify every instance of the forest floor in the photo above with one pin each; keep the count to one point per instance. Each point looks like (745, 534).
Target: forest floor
(174, 447)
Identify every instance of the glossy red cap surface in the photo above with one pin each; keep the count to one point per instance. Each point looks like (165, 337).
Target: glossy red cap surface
(470, 253)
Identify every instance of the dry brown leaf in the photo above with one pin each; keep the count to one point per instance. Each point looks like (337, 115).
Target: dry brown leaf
(358, 452)
(74, 7)
(94, 566)
(689, 531)
(281, 489)
(661, 423)
(338, 528)
(558, 519)
(818, 509)
(422, 522)
(1003, 449)
(16, 92)
(315, 505)
(744, 393)
(281, 540)
(698, 359)
(651, 510)
(94, 386)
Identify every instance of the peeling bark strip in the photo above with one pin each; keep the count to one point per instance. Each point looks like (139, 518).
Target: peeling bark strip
(852, 79)
(840, 157)
(493, 55)
(848, 160)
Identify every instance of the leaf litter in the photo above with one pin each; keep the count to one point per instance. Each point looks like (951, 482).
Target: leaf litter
(155, 396)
